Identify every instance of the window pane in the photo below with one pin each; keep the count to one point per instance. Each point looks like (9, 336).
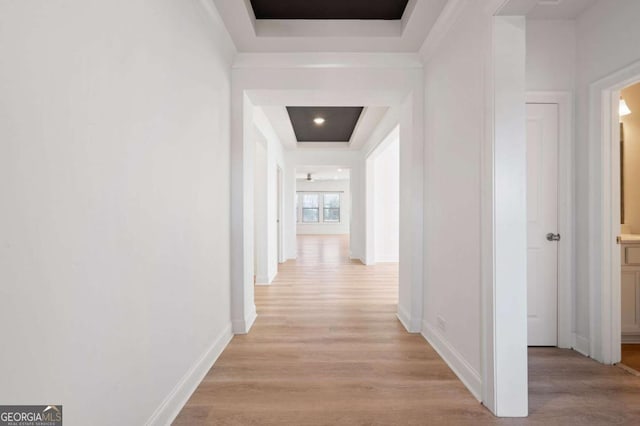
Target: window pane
(332, 215)
(310, 215)
(310, 201)
(332, 201)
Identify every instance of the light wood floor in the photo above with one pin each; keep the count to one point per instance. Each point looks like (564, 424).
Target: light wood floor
(631, 356)
(327, 349)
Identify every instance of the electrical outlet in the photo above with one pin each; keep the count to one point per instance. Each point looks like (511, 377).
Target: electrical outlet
(442, 324)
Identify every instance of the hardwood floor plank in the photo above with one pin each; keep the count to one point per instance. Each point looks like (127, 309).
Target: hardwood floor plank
(327, 349)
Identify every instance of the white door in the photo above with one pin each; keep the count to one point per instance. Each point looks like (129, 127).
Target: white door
(542, 211)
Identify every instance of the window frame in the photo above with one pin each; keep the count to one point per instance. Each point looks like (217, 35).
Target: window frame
(318, 208)
(321, 208)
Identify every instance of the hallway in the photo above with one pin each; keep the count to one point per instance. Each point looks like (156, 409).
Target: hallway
(327, 349)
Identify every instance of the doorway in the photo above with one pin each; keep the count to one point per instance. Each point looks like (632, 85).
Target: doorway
(629, 113)
(323, 213)
(610, 248)
(549, 220)
(543, 236)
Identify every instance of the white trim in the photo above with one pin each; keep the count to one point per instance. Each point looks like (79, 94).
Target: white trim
(445, 21)
(581, 344)
(412, 325)
(388, 259)
(244, 326)
(262, 280)
(604, 205)
(327, 60)
(631, 338)
(171, 406)
(566, 273)
(465, 372)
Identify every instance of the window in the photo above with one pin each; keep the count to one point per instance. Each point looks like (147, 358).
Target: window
(310, 208)
(331, 204)
(318, 207)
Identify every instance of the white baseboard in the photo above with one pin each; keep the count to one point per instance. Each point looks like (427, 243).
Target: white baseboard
(633, 338)
(262, 280)
(243, 326)
(170, 407)
(273, 276)
(412, 326)
(581, 344)
(387, 259)
(465, 372)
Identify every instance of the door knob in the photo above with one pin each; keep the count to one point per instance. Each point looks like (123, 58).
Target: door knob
(553, 237)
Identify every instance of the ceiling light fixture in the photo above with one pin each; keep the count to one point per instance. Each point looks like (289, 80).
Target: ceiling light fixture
(624, 108)
(319, 121)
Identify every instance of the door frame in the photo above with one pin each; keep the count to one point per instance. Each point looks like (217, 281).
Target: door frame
(566, 282)
(280, 209)
(604, 204)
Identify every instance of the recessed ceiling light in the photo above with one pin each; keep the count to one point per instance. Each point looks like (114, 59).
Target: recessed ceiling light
(319, 120)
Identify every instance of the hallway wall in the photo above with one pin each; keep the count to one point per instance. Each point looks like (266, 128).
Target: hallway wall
(454, 88)
(551, 55)
(269, 185)
(114, 226)
(386, 203)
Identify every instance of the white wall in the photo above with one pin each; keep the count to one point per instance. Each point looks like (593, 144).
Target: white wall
(274, 161)
(260, 207)
(454, 84)
(474, 297)
(344, 187)
(386, 203)
(114, 180)
(606, 42)
(551, 55)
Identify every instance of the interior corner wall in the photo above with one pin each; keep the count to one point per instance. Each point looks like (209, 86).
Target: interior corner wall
(114, 180)
(606, 42)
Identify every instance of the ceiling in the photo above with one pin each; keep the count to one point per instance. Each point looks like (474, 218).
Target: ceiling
(329, 9)
(319, 173)
(338, 126)
(323, 32)
(279, 119)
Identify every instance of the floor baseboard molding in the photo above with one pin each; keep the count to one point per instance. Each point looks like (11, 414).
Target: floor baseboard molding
(581, 344)
(244, 326)
(631, 338)
(465, 372)
(412, 326)
(171, 406)
(262, 280)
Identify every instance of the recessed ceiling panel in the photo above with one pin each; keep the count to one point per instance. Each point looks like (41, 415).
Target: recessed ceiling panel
(329, 9)
(324, 124)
